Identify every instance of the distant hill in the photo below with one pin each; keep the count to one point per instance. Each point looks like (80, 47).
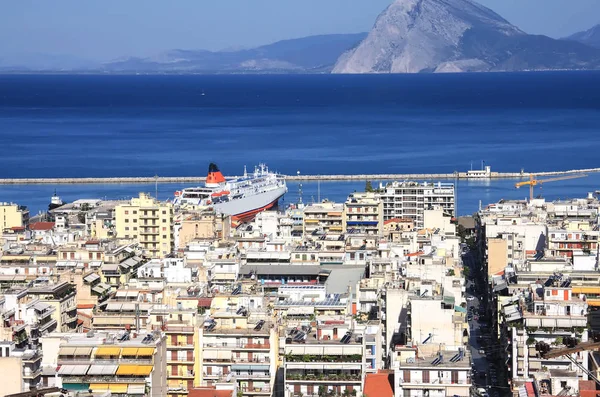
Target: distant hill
(308, 54)
(415, 36)
(589, 37)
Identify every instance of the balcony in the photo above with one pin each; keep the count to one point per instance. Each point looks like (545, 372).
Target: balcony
(324, 377)
(239, 346)
(181, 375)
(28, 373)
(48, 325)
(256, 390)
(180, 346)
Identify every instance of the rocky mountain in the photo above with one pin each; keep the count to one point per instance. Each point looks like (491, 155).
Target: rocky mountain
(589, 37)
(309, 54)
(413, 36)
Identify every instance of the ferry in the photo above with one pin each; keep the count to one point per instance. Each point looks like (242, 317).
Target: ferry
(242, 198)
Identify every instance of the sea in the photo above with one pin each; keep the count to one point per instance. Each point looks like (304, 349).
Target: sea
(175, 125)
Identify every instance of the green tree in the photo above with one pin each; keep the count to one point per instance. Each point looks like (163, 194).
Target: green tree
(369, 187)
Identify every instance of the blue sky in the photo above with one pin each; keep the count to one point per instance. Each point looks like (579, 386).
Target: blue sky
(107, 29)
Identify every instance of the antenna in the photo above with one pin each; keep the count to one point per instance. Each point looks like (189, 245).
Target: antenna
(156, 186)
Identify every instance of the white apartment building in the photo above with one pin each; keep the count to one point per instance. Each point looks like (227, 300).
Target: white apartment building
(409, 200)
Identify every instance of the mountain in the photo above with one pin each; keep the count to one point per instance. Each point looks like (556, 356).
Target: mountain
(589, 37)
(308, 54)
(413, 36)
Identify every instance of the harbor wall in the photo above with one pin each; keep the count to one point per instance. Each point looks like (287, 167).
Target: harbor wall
(358, 177)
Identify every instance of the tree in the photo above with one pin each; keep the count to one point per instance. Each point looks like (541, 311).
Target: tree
(369, 187)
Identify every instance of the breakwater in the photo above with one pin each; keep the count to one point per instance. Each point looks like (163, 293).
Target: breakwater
(358, 177)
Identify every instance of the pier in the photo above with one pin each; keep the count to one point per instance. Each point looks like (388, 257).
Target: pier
(481, 175)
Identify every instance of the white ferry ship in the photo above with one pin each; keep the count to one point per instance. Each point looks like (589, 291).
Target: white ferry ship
(241, 198)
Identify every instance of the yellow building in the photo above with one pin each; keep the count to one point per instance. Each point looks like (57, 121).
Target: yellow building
(13, 215)
(324, 217)
(183, 348)
(202, 225)
(364, 214)
(124, 364)
(63, 298)
(148, 221)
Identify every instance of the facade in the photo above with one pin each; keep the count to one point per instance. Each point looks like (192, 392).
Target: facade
(13, 216)
(439, 374)
(124, 364)
(147, 221)
(62, 299)
(321, 363)
(410, 199)
(364, 214)
(181, 329)
(239, 344)
(323, 218)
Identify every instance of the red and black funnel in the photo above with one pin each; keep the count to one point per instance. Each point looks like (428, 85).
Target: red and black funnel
(214, 176)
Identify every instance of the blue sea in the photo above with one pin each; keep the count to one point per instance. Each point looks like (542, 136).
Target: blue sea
(168, 125)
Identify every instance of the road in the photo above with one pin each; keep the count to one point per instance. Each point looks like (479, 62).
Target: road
(483, 374)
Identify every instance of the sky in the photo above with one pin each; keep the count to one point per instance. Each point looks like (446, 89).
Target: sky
(108, 29)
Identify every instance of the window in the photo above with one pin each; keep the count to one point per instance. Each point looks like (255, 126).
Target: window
(134, 212)
(135, 221)
(406, 376)
(164, 212)
(126, 227)
(164, 236)
(164, 221)
(126, 212)
(426, 377)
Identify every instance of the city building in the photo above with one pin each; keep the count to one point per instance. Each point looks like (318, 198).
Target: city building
(409, 200)
(147, 221)
(364, 214)
(13, 216)
(323, 218)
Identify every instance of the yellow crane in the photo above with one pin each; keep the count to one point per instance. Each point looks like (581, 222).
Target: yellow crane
(533, 182)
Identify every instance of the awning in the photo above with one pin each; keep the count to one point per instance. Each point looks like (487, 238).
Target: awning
(91, 278)
(83, 351)
(259, 367)
(460, 309)
(102, 369)
(240, 367)
(299, 310)
(41, 306)
(449, 300)
(66, 351)
(109, 267)
(118, 388)
(127, 369)
(136, 370)
(129, 351)
(99, 386)
(144, 370)
(108, 351)
(136, 389)
(145, 352)
(73, 370)
(113, 307)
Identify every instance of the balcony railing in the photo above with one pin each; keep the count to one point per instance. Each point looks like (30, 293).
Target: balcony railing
(324, 377)
(240, 345)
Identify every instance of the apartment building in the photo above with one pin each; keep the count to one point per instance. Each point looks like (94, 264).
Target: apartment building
(13, 216)
(435, 374)
(147, 221)
(63, 298)
(364, 214)
(20, 367)
(239, 344)
(124, 364)
(182, 332)
(323, 218)
(409, 200)
(547, 314)
(325, 359)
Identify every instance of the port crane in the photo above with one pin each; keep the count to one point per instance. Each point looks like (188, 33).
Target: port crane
(534, 182)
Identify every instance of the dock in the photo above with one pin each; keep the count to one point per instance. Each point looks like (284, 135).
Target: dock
(470, 175)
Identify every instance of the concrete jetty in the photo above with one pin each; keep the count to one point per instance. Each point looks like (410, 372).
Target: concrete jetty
(307, 178)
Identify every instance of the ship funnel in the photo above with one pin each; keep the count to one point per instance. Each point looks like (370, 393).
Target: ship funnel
(214, 177)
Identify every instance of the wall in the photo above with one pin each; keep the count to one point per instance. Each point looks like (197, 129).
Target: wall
(11, 369)
(497, 255)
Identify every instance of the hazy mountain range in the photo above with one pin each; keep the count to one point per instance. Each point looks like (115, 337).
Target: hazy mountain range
(410, 36)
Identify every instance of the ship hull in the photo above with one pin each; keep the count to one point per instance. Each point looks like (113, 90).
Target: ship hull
(246, 208)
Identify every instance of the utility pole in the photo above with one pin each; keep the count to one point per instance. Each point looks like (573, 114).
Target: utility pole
(156, 187)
